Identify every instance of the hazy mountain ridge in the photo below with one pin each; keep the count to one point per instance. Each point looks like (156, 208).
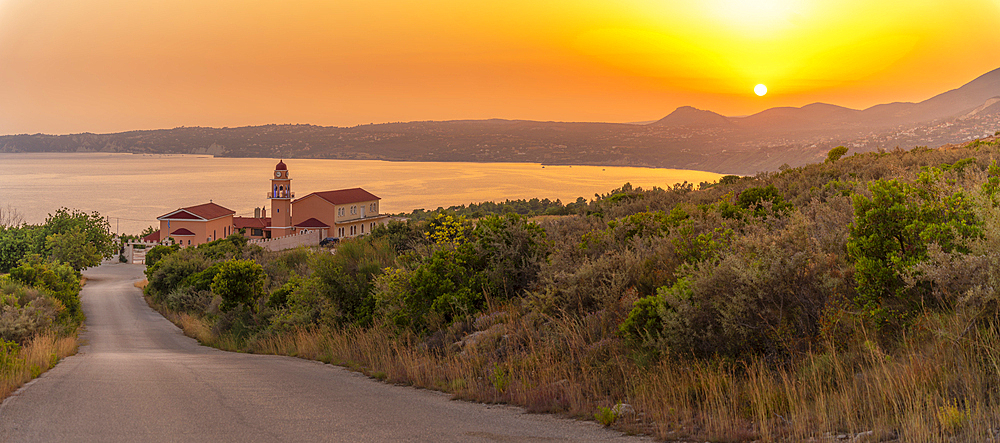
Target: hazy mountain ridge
(687, 138)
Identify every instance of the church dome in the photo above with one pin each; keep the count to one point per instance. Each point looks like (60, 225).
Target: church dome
(281, 166)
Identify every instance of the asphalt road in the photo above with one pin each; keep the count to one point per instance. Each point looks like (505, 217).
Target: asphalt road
(138, 378)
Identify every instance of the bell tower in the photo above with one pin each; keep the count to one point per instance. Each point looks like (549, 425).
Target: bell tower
(281, 201)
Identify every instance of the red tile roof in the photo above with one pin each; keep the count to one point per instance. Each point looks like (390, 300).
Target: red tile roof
(344, 196)
(207, 211)
(182, 232)
(153, 238)
(251, 222)
(312, 223)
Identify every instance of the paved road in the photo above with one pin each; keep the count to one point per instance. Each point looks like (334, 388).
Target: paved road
(137, 378)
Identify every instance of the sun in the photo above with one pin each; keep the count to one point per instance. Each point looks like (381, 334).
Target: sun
(760, 90)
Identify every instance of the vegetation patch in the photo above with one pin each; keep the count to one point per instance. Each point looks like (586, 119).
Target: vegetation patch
(40, 293)
(853, 297)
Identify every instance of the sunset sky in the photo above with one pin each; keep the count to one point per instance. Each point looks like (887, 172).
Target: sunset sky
(71, 66)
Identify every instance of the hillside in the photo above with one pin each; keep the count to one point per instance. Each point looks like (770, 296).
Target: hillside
(849, 300)
(687, 138)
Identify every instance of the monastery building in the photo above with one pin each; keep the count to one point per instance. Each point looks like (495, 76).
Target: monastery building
(343, 213)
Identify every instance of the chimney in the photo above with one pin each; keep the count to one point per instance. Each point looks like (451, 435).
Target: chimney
(263, 212)
(256, 212)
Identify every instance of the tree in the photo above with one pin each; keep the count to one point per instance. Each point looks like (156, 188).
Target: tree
(835, 154)
(93, 230)
(149, 230)
(15, 244)
(72, 248)
(239, 282)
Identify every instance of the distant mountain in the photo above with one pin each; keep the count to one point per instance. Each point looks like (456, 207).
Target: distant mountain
(809, 117)
(687, 116)
(822, 116)
(687, 138)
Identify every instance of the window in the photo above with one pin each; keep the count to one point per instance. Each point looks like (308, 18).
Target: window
(354, 209)
(373, 226)
(362, 229)
(257, 232)
(340, 232)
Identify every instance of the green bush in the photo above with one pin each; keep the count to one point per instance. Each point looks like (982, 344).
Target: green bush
(758, 199)
(239, 282)
(59, 279)
(891, 233)
(158, 252)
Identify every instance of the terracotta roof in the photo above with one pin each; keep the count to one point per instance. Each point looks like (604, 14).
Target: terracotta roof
(312, 223)
(281, 166)
(154, 237)
(251, 222)
(207, 211)
(344, 196)
(182, 232)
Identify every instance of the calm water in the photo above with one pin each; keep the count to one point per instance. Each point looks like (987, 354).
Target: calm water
(135, 189)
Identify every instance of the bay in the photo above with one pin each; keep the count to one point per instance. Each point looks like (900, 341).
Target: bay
(132, 189)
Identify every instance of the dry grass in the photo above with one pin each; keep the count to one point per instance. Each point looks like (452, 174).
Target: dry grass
(939, 387)
(39, 355)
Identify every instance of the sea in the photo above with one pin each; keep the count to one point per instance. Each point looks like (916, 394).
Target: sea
(131, 190)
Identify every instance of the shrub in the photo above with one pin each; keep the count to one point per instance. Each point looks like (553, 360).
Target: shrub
(158, 252)
(891, 234)
(759, 198)
(345, 279)
(239, 282)
(762, 295)
(59, 279)
(172, 270)
(513, 250)
(25, 311)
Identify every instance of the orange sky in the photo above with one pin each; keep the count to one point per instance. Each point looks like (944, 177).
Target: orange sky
(112, 65)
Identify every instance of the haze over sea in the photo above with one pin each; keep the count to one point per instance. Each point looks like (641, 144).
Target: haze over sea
(134, 189)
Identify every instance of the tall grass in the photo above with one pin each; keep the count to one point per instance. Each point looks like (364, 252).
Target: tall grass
(28, 362)
(939, 387)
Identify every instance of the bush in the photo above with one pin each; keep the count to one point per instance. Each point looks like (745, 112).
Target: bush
(59, 279)
(763, 295)
(239, 282)
(346, 278)
(513, 249)
(25, 312)
(891, 234)
(158, 252)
